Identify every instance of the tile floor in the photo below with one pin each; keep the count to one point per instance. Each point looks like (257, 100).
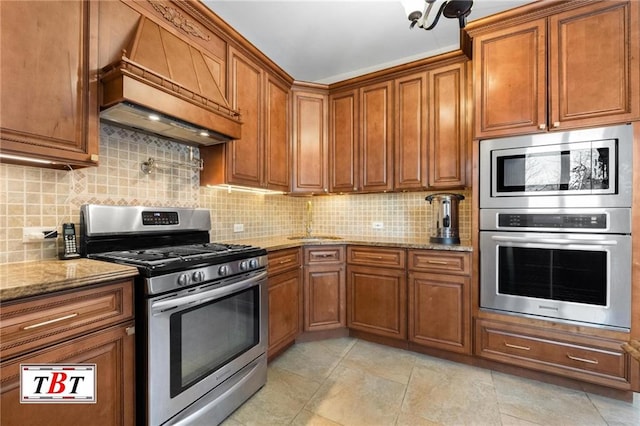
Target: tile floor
(348, 382)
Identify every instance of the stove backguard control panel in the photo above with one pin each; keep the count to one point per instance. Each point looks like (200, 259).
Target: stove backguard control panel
(160, 218)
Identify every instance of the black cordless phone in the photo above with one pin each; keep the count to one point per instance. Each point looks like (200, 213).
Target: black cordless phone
(70, 249)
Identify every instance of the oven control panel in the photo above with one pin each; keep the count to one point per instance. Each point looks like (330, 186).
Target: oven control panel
(160, 218)
(548, 220)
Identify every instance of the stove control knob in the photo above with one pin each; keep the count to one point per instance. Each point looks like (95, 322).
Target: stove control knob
(183, 279)
(198, 276)
(223, 270)
(244, 265)
(253, 263)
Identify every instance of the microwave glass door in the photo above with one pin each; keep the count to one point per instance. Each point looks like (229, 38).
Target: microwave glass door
(577, 168)
(555, 274)
(208, 336)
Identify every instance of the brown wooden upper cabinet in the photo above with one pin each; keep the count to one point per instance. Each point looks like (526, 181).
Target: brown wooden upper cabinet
(431, 131)
(260, 158)
(310, 145)
(361, 139)
(48, 83)
(575, 68)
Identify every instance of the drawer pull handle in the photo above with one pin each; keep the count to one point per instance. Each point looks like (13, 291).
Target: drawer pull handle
(438, 262)
(524, 348)
(286, 261)
(323, 256)
(374, 257)
(588, 361)
(40, 324)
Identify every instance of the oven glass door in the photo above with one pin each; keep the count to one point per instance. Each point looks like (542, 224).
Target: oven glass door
(208, 336)
(555, 274)
(577, 168)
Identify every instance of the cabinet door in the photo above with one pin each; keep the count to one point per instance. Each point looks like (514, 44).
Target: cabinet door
(324, 297)
(285, 303)
(376, 137)
(411, 117)
(510, 80)
(276, 136)
(245, 159)
(310, 143)
(48, 83)
(439, 311)
(594, 76)
(377, 301)
(112, 350)
(447, 127)
(343, 142)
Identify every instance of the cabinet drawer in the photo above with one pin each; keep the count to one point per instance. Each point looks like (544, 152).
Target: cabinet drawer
(35, 323)
(586, 358)
(374, 256)
(451, 262)
(323, 254)
(284, 260)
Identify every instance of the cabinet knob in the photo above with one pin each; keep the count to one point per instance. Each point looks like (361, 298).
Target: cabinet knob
(542, 126)
(556, 124)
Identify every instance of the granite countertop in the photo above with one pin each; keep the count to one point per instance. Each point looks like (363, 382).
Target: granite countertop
(18, 280)
(279, 243)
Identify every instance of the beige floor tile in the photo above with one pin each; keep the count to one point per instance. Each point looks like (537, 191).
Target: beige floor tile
(407, 419)
(451, 394)
(313, 360)
(279, 401)
(380, 360)
(544, 403)
(353, 397)
(307, 418)
(508, 420)
(617, 412)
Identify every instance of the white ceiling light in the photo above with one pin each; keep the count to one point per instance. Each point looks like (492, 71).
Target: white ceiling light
(418, 12)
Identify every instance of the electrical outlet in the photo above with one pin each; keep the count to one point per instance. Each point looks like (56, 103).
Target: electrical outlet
(36, 234)
(238, 227)
(377, 225)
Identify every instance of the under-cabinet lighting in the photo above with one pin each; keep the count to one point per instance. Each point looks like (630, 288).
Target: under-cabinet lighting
(154, 117)
(235, 188)
(20, 158)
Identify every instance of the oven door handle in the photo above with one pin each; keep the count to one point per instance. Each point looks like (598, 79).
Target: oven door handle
(554, 241)
(207, 295)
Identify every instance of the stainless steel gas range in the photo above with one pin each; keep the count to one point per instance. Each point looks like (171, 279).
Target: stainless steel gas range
(201, 310)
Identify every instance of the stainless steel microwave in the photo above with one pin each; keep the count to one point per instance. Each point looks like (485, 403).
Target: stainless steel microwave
(579, 168)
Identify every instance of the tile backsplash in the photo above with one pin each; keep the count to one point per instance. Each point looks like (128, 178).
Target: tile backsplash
(31, 196)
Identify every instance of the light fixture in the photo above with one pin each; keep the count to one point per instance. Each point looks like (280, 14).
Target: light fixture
(458, 9)
(26, 159)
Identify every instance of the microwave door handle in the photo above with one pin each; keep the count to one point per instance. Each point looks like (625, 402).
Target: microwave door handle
(554, 241)
(207, 295)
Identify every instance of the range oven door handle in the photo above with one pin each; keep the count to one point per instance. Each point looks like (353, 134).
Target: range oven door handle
(554, 241)
(204, 296)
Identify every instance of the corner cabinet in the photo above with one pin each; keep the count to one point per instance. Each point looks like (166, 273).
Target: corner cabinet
(93, 325)
(324, 288)
(310, 145)
(260, 158)
(48, 83)
(440, 299)
(552, 73)
(285, 299)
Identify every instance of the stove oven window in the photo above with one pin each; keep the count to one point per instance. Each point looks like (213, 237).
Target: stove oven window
(209, 336)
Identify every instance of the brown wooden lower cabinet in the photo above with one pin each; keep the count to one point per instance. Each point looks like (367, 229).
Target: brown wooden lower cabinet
(324, 288)
(285, 299)
(439, 300)
(587, 358)
(112, 351)
(377, 291)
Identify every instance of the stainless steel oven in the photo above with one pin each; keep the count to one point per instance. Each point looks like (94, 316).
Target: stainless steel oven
(555, 225)
(201, 310)
(204, 342)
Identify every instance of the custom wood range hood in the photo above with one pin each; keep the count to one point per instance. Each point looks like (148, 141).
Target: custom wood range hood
(166, 86)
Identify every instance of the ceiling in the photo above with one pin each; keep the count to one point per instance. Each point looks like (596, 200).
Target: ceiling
(328, 41)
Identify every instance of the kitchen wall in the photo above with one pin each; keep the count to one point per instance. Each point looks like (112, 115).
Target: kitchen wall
(31, 196)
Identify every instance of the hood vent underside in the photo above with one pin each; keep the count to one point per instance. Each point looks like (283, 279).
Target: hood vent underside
(168, 87)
